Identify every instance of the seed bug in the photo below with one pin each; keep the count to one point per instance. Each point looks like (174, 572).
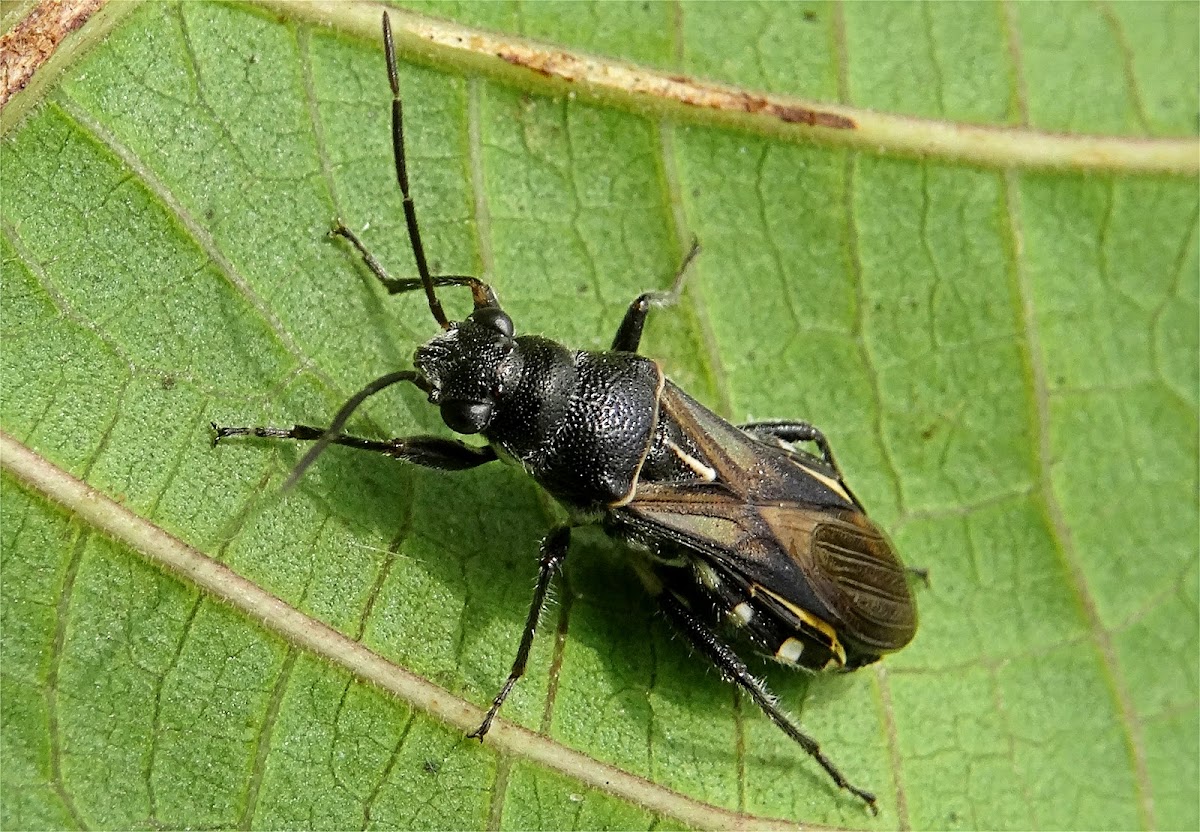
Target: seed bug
(737, 527)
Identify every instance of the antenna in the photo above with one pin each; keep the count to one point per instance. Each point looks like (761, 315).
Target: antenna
(410, 211)
(343, 415)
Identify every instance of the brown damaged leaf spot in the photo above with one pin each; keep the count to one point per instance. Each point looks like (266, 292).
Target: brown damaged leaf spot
(817, 118)
(543, 63)
(29, 44)
(572, 69)
(516, 60)
(792, 114)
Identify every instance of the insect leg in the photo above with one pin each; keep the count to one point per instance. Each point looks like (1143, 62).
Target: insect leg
(427, 451)
(554, 552)
(630, 333)
(733, 668)
(791, 432)
(795, 432)
(481, 293)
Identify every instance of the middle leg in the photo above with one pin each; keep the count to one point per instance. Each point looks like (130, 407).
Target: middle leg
(554, 552)
(795, 431)
(791, 432)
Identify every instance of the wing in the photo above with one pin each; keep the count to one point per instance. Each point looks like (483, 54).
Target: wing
(775, 523)
(852, 567)
(757, 471)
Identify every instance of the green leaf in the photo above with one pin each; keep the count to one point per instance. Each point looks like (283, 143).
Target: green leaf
(1003, 355)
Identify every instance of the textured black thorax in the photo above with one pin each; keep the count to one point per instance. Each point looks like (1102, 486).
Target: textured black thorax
(579, 422)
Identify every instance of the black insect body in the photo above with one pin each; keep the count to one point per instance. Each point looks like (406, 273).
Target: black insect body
(741, 528)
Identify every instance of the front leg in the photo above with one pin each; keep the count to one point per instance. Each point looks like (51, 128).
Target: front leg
(554, 552)
(426, 451)
(481, 293)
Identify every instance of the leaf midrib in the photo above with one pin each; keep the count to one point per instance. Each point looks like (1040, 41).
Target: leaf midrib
(500, 57)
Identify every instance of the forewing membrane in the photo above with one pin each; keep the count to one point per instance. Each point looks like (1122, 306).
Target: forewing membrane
(777, 521)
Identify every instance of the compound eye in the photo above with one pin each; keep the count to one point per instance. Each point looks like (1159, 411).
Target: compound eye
(494, 317)
(466, 416)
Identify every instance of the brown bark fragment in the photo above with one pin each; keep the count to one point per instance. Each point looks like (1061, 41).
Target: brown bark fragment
(32, 42)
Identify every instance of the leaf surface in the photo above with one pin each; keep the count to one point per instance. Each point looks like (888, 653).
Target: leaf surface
(1004, 358)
